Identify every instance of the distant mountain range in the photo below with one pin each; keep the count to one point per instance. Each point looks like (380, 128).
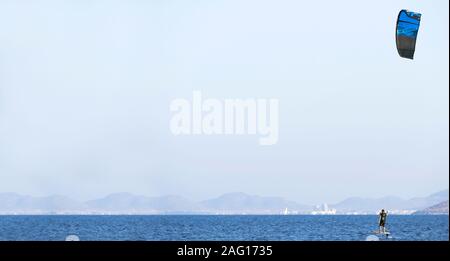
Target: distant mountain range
(438, 209)
(126, 203)
(231, 203)
(368, 205)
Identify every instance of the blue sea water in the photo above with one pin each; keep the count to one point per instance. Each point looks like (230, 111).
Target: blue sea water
(203, 227)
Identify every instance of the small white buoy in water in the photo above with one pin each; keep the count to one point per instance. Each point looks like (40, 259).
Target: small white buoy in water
(72, 238)
(372, 238)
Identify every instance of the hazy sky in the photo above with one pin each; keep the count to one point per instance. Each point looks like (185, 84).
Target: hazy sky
(85, 88)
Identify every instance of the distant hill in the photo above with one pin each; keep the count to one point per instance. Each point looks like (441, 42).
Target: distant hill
(438, 209)
(433, 199)
(371, 205)
(12, 203)
(129, 203)
(368, 205)
(243, 203)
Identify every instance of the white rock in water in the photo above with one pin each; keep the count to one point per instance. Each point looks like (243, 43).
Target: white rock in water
(72, 238)
(372, 238)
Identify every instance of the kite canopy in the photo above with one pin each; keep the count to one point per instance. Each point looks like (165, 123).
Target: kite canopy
(406, 34)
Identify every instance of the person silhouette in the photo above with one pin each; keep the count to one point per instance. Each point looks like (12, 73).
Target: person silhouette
(382, 222)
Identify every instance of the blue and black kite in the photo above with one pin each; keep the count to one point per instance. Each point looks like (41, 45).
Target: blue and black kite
(406, 34)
